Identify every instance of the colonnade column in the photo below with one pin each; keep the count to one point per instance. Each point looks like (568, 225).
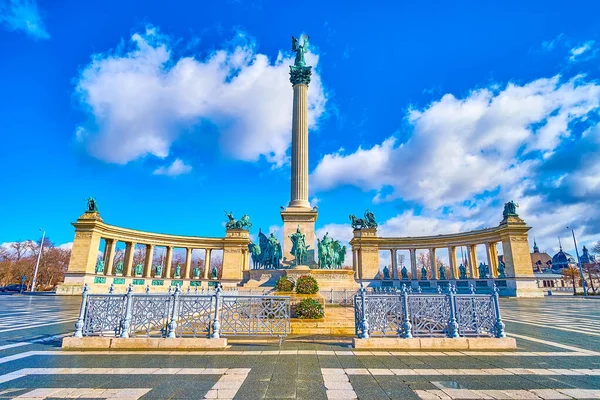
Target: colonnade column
(168, 263)
(413, 263)
(452, 262)
(110, 245)
(473, 265)
(188, 263)
(488, 254)
(394, 264)
(148, 260)
(355, 262)
(434, 274)
(206, 264)
(129, 252)
(494, 264)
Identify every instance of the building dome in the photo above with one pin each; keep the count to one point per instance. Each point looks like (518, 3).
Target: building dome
(562, 260)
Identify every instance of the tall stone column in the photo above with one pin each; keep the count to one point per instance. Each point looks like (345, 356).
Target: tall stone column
(299, 183)
(355, 263)
(299, 214)
(413, 264)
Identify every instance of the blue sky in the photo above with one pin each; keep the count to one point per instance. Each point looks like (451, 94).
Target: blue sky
(432, 116)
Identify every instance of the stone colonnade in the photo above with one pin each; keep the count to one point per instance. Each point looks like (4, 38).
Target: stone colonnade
(511, 233)
(453, 266)
(90, 229)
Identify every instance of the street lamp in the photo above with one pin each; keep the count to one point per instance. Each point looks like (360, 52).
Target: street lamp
(37, 264)
(579, 263)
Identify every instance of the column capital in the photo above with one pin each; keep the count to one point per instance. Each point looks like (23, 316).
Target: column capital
(300, 75)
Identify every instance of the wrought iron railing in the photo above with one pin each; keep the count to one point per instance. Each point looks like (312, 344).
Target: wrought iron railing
(175, 314)
(408, 314)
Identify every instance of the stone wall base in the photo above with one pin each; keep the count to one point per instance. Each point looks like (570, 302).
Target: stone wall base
(106, 343)
(436, 343)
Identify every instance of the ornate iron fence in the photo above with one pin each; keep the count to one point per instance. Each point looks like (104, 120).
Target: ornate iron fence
(175, 314)
(408, 315)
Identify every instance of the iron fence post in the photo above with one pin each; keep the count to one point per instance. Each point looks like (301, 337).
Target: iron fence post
(128, 310)
(499, 325)
(406, 325)
(79, 324)
(173, 323)
(364, 325)
(216, 326)
(452, 325)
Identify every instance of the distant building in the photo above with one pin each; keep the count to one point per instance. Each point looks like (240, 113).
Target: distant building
(562, 260)
(587, 258)
(540, 261)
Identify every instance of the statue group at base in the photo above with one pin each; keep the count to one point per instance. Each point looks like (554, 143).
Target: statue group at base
(331, 253)
(267, 254)
(299, 247)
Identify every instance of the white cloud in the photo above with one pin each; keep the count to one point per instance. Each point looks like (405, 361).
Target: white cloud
(576, 52)
(461, 148)
(66, 246)
(178, 167)
(142, 97)
(549, 45)
(23, 15)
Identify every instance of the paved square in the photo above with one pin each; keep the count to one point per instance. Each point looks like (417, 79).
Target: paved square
(558, 357)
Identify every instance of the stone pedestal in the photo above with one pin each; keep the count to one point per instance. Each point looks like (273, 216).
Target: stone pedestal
(365, 243)
(294, 217)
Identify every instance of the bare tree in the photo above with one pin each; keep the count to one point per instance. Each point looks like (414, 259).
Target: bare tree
(573, 274)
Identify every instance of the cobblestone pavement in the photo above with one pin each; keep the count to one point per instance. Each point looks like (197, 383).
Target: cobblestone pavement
(558, 357)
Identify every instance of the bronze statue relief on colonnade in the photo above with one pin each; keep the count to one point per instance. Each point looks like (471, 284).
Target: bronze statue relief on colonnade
(232, 223)
(368, 222)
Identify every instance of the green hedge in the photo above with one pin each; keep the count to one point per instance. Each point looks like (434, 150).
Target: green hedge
(284, 284)
(307, 285)
(310, 309)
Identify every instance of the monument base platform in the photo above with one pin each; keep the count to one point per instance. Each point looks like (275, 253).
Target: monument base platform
(476, 343)
(336, 279)
(106, 343)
